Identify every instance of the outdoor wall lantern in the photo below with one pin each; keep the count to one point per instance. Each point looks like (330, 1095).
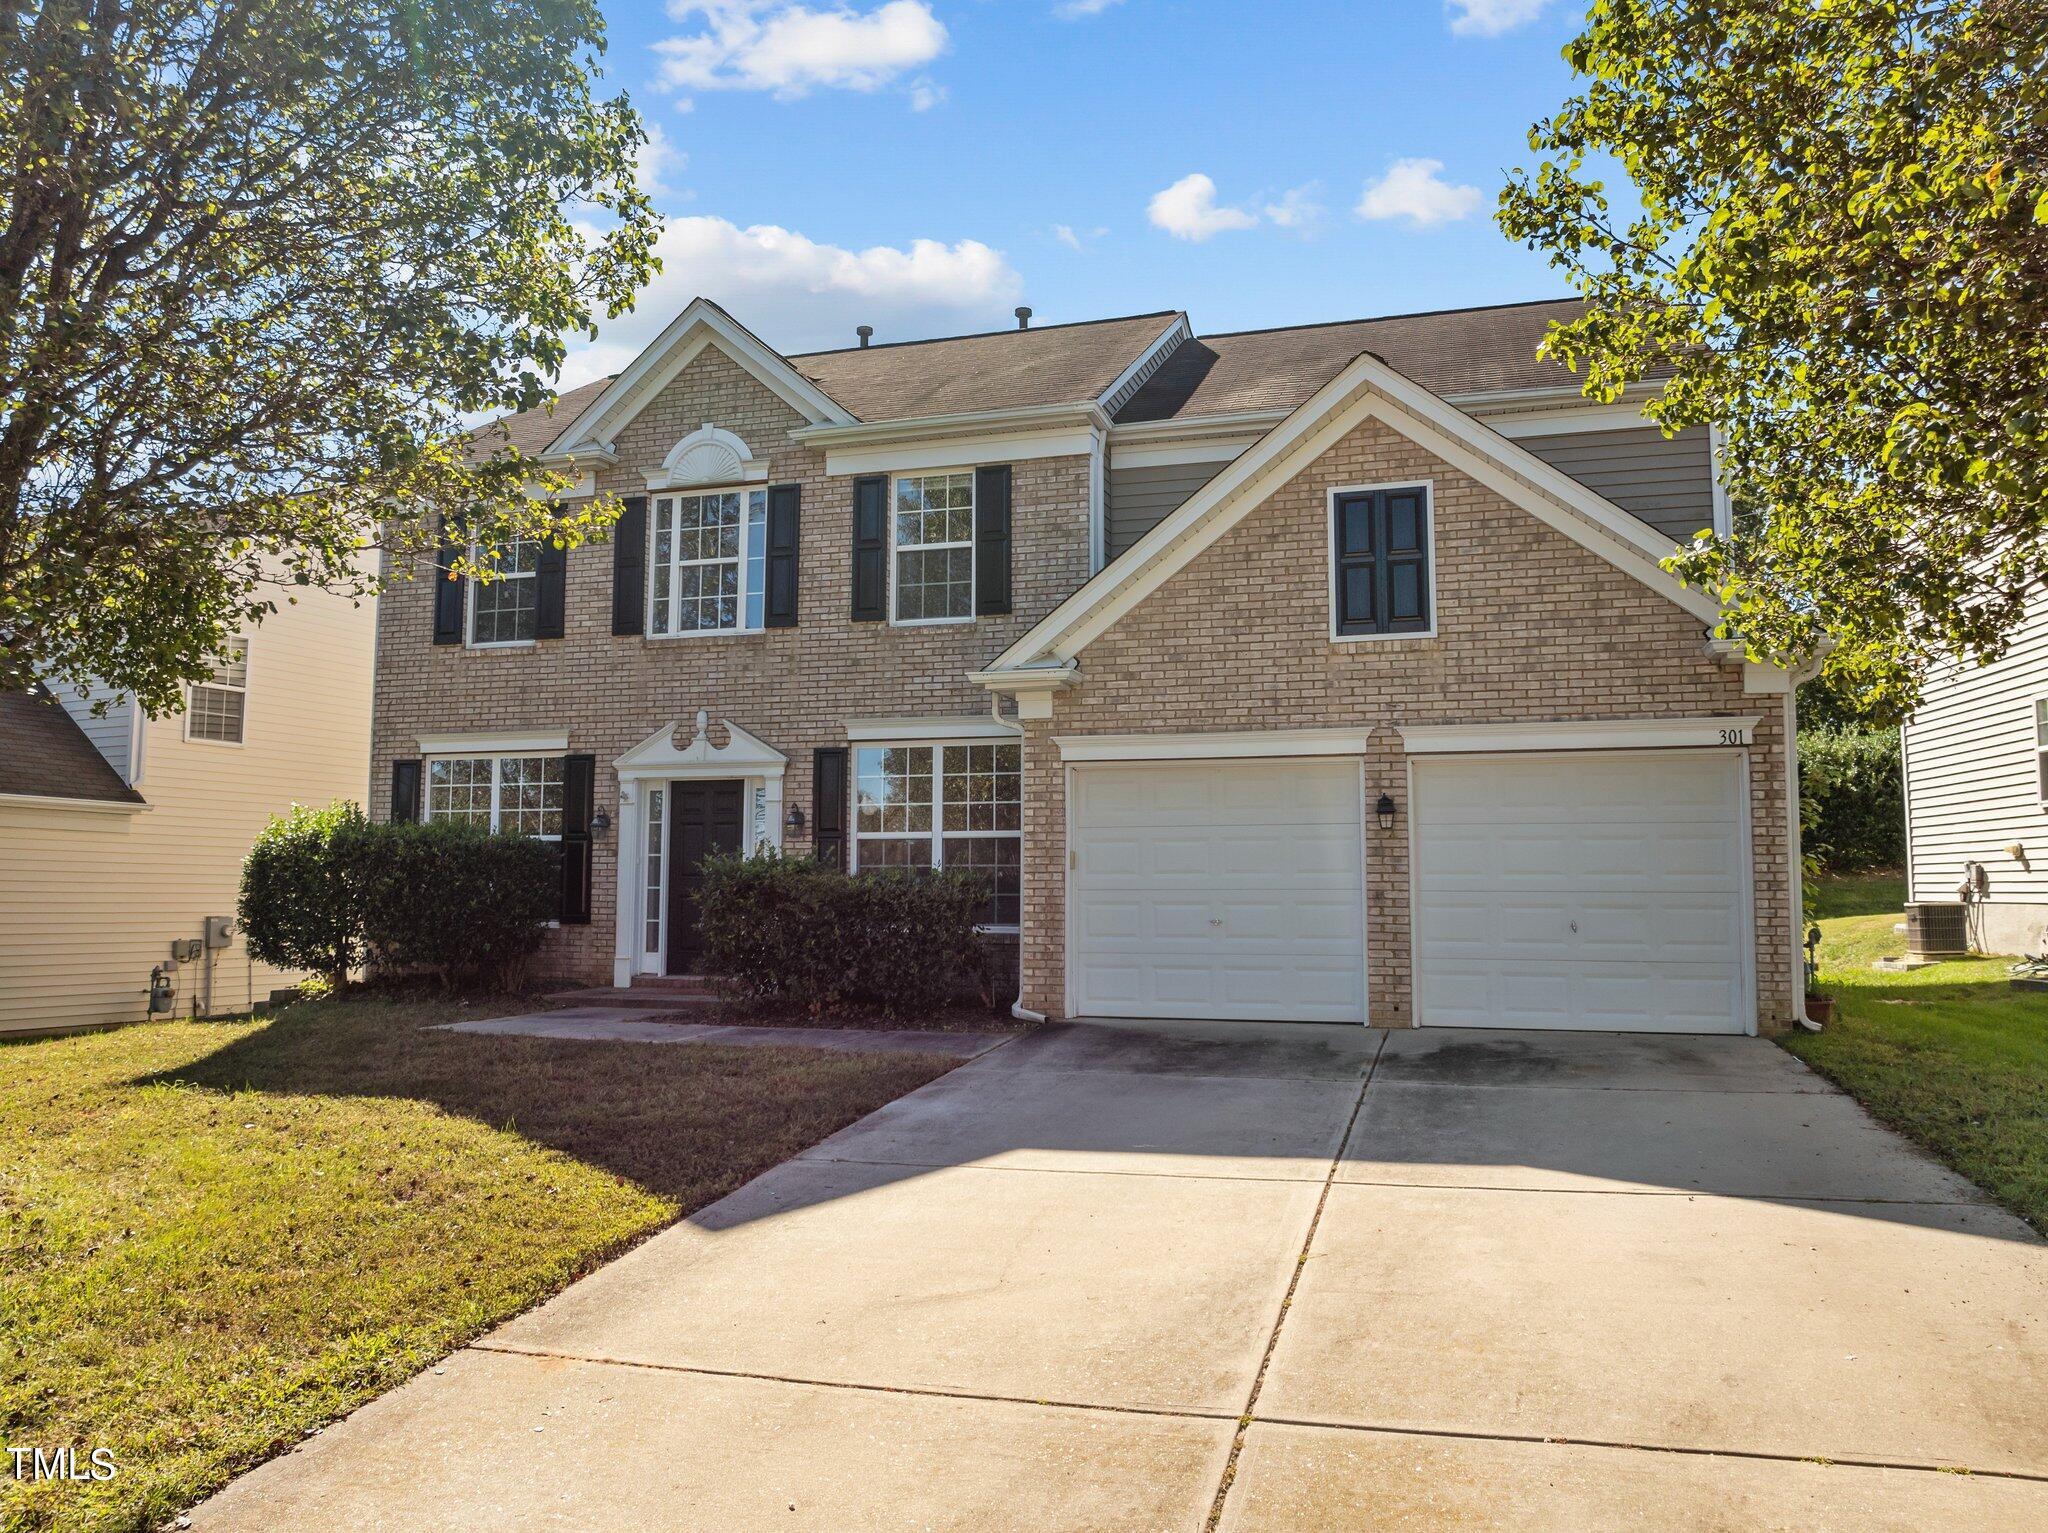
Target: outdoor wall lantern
(600, 823)
(1385, 810)
(796, 818)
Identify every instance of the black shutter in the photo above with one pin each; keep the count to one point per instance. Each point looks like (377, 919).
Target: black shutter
(992, 540)
(1404, 560)
(629, 566)
(783, 520)
(579, 792)
(550, 585)
(871, 548)
(828, 806)
(1358, 574)
(447, 591)
(405, 790)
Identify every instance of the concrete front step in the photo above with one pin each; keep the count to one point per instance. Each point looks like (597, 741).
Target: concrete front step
(645, 999)
(688, 984)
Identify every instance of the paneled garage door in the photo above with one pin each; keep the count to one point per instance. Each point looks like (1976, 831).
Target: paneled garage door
(1598, 889)
(1230, 889)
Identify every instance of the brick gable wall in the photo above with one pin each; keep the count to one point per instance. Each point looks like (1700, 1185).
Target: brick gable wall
(793, 688)
(1530, 626)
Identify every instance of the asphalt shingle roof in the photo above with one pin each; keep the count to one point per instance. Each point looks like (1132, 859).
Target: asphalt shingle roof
(43, 752)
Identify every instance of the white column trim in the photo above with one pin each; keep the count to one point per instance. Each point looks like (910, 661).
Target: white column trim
(1580, 735)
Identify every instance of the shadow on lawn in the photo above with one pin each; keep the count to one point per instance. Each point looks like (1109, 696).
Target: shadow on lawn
(687, 1124)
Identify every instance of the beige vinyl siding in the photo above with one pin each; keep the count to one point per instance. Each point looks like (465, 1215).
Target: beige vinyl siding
(1667, 482)
(1141, 498)
(90, 901)
(1971, 784)
(109, 732)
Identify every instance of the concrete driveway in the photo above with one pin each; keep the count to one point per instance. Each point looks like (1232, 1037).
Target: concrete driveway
(1265, 1277)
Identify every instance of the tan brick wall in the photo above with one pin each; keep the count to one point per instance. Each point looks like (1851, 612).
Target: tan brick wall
(794, 688)
(1530, 626)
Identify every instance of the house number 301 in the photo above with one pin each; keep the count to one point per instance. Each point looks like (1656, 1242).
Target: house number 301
(1735, 737)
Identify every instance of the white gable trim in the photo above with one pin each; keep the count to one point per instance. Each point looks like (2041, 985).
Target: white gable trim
(742, 755)
(1148, 362)
(1367, 388)
(702, 323)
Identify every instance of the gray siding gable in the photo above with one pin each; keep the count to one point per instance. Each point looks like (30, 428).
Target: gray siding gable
(1141, 498)
(111, 733)
(1667, 482)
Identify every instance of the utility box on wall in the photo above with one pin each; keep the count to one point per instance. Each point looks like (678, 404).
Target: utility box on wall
(220, 931)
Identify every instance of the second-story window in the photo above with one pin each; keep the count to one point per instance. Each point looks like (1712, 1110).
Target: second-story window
(506, 608)
(217, 710)
(708, 568)
(933, 557)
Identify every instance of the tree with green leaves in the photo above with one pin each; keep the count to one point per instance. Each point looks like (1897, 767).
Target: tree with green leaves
(1832, 243)
(261, 263)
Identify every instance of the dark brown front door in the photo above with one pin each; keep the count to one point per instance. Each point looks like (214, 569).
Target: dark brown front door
(706, 818)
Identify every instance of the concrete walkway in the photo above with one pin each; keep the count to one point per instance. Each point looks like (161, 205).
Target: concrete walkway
(621, 1024)
(1193, 1276)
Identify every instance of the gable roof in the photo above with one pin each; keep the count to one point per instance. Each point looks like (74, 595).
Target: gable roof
(44, 754)
(995, 370)
(1449, 351)
(530, 431)
(1365, 387)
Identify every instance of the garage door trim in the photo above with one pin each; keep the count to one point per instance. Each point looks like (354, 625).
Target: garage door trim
(1745, 883)
(1166, 760)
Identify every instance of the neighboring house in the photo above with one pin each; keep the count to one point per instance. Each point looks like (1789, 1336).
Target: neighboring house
(1976, 769)
(1324, 673)
(121, 835)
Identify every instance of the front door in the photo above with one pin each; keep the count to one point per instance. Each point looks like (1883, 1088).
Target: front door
(705, 818)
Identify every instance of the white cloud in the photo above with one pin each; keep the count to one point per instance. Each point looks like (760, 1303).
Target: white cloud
(1072, 10)
(1076, 239)
(791, 49)
(798, 294)
(1490, 18)
(1413, 189)
(1187, 210)
(658, 159)
(1298, 209)
(925, 94)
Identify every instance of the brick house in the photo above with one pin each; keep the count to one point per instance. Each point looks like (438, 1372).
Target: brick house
(1325, 673)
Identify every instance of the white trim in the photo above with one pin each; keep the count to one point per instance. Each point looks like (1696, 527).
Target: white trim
(1219, 449)
(676, 564)
(1253, 423)
(79, 805)
(962, 423)
(1579, 735)
(1098, 500)
(1032, 686)
(1127, 383)
(1428, 488)
(1724, 512)
(1367, 388)
(972, 545)
(498, 744)
(1565, 420)
(1073, 441)
(658, 756)
(707, 457)
(920, 729)
(1219, 745)
(701, 323)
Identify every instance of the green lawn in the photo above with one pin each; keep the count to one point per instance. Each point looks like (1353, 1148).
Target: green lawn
(216, 1237)
(1949, 1055)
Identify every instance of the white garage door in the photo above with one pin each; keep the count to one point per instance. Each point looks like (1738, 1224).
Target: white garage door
(1598, 890)
(1218, 889)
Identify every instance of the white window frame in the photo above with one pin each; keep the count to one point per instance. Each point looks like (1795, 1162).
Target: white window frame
(223, 686)
(1330, 499)
(938, 832)
(2041, 749)
(497, 760)
(747, 558)
(474, 585)
(971, 545)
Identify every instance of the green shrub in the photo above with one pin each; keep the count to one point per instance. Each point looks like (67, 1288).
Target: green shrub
(465, 905)
(325, 890)
(1854, 805)
(803, 931)
(297, 910)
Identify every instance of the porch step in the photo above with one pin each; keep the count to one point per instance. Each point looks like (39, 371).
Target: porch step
(640, 997)
(685, 984)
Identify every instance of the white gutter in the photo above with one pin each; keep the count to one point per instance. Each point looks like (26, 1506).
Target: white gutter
(80, 805)
(1079, 412)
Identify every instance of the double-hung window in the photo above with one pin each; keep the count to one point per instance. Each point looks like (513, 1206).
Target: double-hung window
(522, 794)
(932, 558)
(943, 806)
(708, 570)
(217, 710)
(2041, 748)
(506, 608)
(1380, 575)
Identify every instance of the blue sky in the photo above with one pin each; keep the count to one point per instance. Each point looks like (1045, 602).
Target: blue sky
(925, 165)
